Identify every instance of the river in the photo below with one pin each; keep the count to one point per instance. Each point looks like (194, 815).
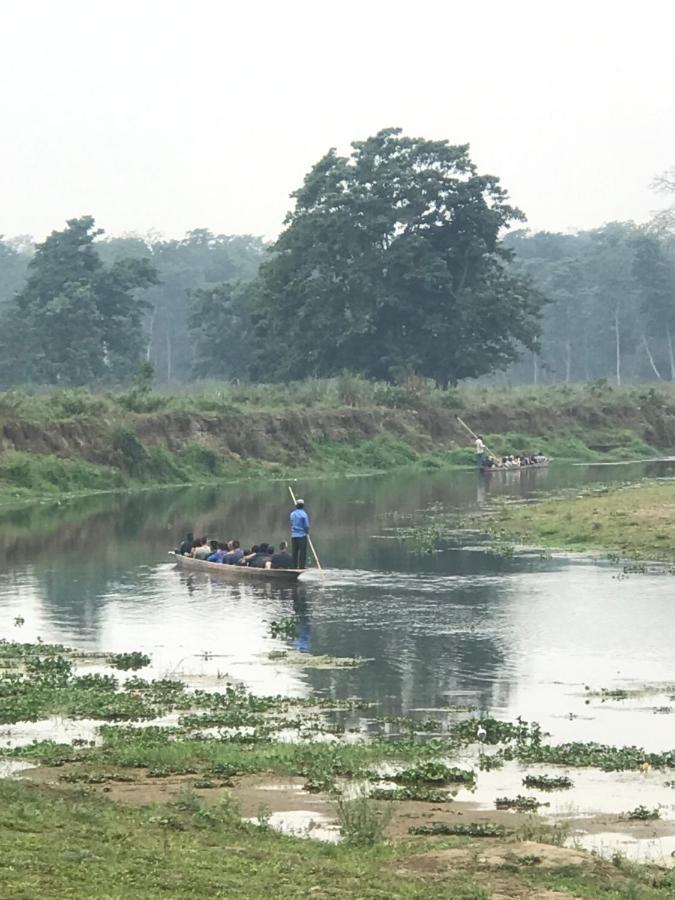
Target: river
(511, 636)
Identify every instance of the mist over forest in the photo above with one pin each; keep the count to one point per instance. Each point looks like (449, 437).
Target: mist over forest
(400, 259)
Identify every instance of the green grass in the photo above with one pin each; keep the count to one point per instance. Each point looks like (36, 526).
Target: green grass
(71, 845)
(638, 521)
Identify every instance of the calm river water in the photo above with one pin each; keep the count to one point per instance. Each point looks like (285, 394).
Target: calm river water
(519, 636)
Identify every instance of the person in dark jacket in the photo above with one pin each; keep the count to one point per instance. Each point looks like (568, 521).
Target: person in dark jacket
(186, 546)
(282, 559)
(299, 532)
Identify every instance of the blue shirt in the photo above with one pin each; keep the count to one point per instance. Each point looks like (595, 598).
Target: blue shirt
(233, 557)
(217, 556)
(299, 523)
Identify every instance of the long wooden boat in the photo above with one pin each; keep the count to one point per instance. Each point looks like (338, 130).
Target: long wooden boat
(489, 470)
(236, 572)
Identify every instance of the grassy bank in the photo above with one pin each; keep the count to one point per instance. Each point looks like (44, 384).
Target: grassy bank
(71, 441)
(168, 811)
(637, 521)
(59, 843)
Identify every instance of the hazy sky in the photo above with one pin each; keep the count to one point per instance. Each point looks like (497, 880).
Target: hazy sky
(208, 113)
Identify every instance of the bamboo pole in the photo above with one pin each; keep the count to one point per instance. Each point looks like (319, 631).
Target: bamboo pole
(474, 435)
(309, 539)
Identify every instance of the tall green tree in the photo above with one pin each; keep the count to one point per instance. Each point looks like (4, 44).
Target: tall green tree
(390, 262)
(219, 320)
(76, 321)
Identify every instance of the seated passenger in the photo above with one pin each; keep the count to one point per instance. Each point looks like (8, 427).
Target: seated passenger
(282, 559)
(267, 563)
(234, 553)
(242, 561)
(218, 555)
(203, 550)
(261, 557)
(249, 555)
(184, 548)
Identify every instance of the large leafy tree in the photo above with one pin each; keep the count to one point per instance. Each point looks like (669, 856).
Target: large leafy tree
(75, 321)
(392, 262)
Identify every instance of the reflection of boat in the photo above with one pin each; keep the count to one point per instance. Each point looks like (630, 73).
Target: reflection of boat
(236, 572)
(493, 470)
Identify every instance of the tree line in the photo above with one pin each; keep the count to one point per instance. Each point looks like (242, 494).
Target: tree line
(398, 259)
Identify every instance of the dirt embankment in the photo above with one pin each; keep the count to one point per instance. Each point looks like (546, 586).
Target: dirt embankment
(267, 436)
(296, 436)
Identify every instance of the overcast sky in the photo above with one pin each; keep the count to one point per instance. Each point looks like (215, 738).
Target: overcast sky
(176, 115)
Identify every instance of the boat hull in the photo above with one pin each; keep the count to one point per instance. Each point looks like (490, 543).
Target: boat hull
(493, 470)
(236, 573)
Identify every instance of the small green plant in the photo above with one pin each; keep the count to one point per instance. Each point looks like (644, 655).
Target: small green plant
(540, 831)
(284, 628)
(643, 814)
(125, 661)
(363, 822)
(529, 859)
(263, 817)
(548, 782)
(489, 763)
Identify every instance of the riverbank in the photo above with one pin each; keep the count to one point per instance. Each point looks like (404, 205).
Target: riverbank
(180, 793)
(635, 521)
(70, 843)
(72, 442)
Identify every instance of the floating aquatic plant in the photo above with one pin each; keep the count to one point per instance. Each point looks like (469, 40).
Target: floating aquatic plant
(643, 814)
(134, 660)
(548, 782)
(468, 829)
(519, 803)
(284, 628)
(434, 773)
(414, 792)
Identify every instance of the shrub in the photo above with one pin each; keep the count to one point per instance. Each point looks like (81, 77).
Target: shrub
(126, 442)
(353, 390)
(363, 822)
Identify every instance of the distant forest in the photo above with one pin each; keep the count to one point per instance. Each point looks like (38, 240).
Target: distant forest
(400, 259)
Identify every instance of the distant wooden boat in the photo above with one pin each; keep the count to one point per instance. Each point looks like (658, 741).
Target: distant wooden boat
(244, 573)
(493, 470)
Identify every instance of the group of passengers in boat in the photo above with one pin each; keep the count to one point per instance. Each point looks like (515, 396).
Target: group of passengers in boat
(514, 462)
(486, 460)
(230, 553)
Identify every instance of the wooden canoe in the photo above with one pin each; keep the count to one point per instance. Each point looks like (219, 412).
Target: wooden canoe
(236, 572)
(489, 470)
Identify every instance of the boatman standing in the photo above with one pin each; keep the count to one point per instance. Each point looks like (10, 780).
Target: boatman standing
(299, 532)
(481, 458)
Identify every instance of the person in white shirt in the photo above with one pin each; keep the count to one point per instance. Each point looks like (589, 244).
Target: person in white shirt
(481, 456)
